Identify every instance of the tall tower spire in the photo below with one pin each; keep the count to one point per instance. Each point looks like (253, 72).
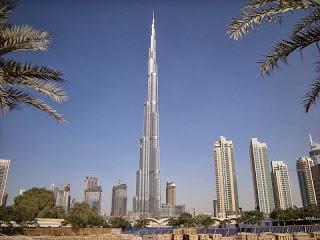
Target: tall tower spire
(153, 17)
(147, 199)
(310, 140)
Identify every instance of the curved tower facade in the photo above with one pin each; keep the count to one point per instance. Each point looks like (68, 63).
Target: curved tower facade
(147, 199)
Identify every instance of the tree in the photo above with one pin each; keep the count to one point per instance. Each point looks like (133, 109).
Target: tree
(173, 222)
(142, 223)
(251, 217)
(203, 220)
(27, 206)
(81, 215)
(308, 213)
(304, 34)
(186, 220)
(7, 215)
(119, 222)
(224, 223)
(15, 77)
(52, 212)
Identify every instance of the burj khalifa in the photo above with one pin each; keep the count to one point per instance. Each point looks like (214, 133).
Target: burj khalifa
(147, 199)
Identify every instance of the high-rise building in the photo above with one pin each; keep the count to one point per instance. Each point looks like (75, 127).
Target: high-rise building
(5, 199)
(215, 208)
(226, 181)
(62, 196)
(315, 170)
(314, 151)
(147, 199)
(92, 192)
(171, 193)
(261, 176)
(308, 194)
(4, 168)
(281, 185)
(168, 210)
(119, 200)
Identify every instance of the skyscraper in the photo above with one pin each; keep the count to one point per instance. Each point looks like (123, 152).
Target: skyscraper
(147, 199)
(215, 208)
(4, 168)
(119, 200)
(62, 196)
(308, 195)
(226, 181)
(315, 170)
(261, 176)
(92, 192)
(171, 193)
(5, 199)
(314, 151)
(281, 185)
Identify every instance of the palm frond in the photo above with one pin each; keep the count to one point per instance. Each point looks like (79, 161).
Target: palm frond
(255, 4)
(5, 104)
(313, 94)
(17, 97)
(249, 19)
(6, 7)
(48, 89)
(282, 49)
(16, 69)
(22, 38)
(308, 21)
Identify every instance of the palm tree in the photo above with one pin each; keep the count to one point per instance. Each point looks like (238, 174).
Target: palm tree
(305, 33)
(17, 79)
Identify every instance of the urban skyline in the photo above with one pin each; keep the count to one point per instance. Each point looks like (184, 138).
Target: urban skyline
(307, 172)
(90, 148)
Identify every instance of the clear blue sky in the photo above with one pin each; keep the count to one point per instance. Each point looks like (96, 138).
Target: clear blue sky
(209, 86)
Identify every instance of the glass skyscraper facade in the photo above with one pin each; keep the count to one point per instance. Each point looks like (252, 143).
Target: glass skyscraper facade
(281, 185)
(147, 198)
(226, 180)
(308, 194)
(261, 176)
